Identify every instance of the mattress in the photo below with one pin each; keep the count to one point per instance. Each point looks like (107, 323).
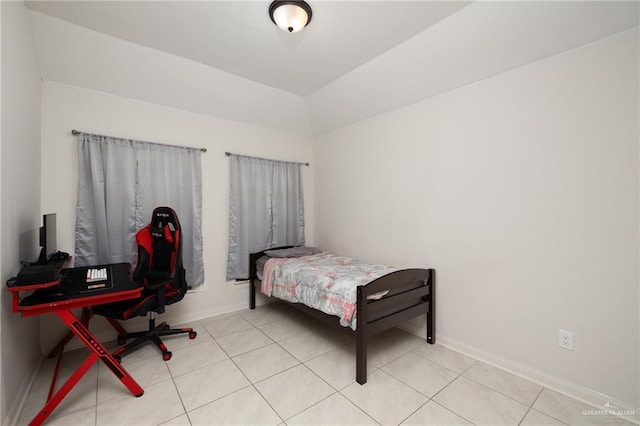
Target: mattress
(324, 281)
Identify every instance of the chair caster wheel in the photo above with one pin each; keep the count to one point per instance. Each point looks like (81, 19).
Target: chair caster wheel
(192, 335)
(166, 356)
(117, 358)
(165, 326)
(122, 340)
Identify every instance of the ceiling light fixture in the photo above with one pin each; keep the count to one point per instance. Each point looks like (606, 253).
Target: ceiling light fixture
(290, 16)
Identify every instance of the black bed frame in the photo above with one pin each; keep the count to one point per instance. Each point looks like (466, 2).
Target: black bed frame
(411, 293)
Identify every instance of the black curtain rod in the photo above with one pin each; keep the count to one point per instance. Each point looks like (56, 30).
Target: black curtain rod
(77, 132)
(229, 154)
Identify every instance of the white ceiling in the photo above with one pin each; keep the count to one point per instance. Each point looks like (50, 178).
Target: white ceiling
(356, 59)
(239, 37)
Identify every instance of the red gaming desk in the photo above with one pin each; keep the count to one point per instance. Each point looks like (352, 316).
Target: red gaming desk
(61, 305)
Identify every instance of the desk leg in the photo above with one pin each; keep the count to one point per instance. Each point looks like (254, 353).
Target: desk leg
(98, 352)
(84, 317)
(92, 343)
(53, 402)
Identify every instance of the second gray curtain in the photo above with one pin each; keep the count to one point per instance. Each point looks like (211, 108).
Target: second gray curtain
(266, 209)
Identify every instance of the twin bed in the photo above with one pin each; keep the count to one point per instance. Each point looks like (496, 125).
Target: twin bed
(362, 298)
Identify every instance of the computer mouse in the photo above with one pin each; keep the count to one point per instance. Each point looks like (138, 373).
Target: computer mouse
(51, 293)
(56, 294)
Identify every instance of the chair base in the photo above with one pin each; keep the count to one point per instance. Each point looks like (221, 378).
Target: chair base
(152, 335)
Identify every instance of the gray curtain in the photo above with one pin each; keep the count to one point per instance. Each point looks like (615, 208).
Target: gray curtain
(120, 182)
(266, 209)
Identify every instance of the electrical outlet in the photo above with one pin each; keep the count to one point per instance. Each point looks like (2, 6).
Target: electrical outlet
(565, 339)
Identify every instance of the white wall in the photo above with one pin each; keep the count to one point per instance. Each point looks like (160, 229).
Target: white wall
(522, 191)
(465, 47)
(65, 108)
(74, 55)
(20, 198)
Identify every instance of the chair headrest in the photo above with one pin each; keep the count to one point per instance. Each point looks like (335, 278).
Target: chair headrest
(164, 221)
(163, 216)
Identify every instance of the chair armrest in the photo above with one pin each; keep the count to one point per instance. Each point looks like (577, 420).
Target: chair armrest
(153, 279)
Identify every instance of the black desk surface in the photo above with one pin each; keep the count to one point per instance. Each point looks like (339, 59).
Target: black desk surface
(67, 292)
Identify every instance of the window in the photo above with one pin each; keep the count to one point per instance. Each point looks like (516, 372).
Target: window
(266, 209)
(121, 181)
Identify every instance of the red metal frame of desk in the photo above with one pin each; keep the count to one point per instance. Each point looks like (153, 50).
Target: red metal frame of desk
(62, 308)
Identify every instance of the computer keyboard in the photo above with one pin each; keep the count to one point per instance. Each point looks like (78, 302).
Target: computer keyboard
(96, 274)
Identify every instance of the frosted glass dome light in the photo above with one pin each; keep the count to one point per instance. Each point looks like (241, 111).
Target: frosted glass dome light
(290, 16)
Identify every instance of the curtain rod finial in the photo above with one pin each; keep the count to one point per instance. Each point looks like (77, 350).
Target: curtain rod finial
(75, 132)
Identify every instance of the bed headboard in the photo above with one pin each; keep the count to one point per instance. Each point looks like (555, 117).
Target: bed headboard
(253, 257)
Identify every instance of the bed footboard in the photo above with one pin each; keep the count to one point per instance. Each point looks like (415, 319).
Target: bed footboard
(411, 292)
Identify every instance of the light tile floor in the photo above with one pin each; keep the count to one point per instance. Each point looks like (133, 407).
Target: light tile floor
(275, 366)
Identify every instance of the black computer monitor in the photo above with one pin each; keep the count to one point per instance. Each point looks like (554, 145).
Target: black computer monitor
(48, 237)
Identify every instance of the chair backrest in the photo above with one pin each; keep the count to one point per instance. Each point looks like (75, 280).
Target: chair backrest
(160, 253)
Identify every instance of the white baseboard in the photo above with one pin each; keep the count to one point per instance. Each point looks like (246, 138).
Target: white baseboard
(598, 400)
(21, 397)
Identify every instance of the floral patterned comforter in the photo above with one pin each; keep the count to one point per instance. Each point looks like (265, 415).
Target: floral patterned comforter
(322, 281)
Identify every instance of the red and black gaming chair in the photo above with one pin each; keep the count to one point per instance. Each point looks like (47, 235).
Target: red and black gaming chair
(160, 271)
